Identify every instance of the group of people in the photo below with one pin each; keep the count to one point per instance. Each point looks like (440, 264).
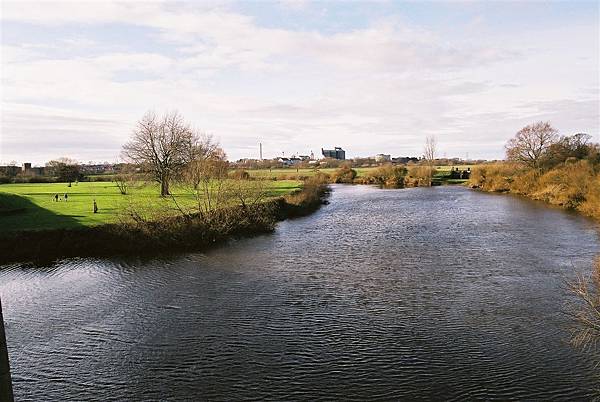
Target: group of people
(58, 198)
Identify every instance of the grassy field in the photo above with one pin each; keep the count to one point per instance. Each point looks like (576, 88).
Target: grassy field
(32, 206)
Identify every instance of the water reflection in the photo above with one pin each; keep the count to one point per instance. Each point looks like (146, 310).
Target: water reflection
(388, 294)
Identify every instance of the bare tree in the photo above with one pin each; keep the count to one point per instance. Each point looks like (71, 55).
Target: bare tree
(248, 192)
(206, 178)
(429, 155)
(530, 144)
(125, 179)
(163, 147)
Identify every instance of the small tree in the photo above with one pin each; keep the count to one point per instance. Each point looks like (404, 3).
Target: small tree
(124, 179)
(66, 170)
(577, 146)
(207, 179)
(163, 147)
(429, 155)
(530, 144)
(248, 192)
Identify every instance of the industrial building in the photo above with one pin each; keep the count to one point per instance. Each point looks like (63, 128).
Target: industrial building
(336, 153)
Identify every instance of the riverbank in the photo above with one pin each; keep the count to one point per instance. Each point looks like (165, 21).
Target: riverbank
(572, 186)
(358, 282)
(35, 206)
(173, 233)
(386, 175)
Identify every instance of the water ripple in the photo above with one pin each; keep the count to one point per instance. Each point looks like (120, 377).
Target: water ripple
(420, 294)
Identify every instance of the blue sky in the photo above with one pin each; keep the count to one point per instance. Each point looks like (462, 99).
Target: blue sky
(296, 75)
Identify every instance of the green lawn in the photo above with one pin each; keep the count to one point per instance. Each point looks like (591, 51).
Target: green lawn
(32, 206)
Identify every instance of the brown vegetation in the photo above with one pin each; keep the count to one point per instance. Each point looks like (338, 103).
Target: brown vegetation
(562, 171)
(420, 175)
(386, 175)
(587, 311)
(344, 174)
(571, 185)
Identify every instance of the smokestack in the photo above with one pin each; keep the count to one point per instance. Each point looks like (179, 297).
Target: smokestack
(260, 147)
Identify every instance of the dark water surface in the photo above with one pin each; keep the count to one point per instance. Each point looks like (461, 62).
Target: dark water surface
(439, 293)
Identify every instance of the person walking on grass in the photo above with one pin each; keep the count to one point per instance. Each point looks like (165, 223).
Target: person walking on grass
(56, 197)
(95, 207)
(66, 197)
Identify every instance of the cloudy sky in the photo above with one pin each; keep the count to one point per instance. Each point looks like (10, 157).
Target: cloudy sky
(372, 77)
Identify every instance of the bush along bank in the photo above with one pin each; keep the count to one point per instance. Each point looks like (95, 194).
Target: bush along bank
(392, 176)
(172, 234)
(562, 171)
(573, 185)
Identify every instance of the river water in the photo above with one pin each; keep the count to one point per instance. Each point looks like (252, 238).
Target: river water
(427, 293)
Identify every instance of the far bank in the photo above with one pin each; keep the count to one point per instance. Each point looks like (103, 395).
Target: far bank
(187, 232)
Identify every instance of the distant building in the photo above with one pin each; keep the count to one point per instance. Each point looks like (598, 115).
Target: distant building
(285, 161)
(28, 170)
(405, 159)
(10, 170)
(337, 153)
(380, 158)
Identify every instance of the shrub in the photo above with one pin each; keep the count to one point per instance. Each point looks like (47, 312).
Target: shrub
(419, 175)
(566, 185)
(591, 205)
(574, 184)
(586, 312)
(319, 177)
(311, 195)
(34, 179)
(240, 174)
(493, 177)
(345, 174)
(388, 175)
(100, 178)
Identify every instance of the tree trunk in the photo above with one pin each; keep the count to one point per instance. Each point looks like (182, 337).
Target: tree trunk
(6, 393)
(164, 187)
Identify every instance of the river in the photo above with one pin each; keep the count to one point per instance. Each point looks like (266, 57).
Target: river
(426, 293)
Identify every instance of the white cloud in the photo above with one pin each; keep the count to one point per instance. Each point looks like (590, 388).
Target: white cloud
(385, 86)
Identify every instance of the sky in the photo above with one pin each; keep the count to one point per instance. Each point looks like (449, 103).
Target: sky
(297, 76)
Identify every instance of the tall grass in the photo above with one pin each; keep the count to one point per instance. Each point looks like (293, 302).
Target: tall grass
(420, 175)
(574, 184)
(586, 332)
(387, 175)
